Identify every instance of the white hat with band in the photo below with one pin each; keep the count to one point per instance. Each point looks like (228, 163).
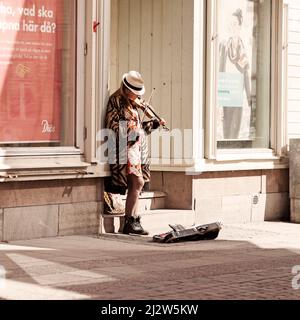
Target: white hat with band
(134, 82)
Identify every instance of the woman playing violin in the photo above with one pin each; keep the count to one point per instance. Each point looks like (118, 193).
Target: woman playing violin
(131, 168)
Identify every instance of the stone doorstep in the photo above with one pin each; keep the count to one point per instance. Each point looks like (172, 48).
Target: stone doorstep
(154, 221)
(125, 237)
(149, 201)
(150, 195)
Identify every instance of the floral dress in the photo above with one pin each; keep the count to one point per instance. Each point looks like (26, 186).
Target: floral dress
(129, 157)
(134, 155)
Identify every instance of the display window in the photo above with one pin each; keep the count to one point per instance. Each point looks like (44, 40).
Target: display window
(243, 74)
(38, 73)
(245, 80)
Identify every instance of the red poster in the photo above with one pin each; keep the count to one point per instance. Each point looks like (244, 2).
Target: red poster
(30, 70)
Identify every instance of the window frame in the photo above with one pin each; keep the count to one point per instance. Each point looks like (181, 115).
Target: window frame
(278, 107)
(12, 157)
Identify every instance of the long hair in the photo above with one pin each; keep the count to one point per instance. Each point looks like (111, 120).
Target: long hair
(124, 92)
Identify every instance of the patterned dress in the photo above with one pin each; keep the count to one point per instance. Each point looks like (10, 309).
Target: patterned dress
(129, 153)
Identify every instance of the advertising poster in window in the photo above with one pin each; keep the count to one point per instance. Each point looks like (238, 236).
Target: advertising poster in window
(237, 61)
(30, 70)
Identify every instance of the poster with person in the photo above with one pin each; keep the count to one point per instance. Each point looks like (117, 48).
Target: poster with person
(237, 61)
(30, 70)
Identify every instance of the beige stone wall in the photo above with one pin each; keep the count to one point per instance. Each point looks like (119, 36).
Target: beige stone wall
(295, 179)
(242, 196)
(230, 197)
(1, 224)
(49, 208)
(177, 186)
(295, 210)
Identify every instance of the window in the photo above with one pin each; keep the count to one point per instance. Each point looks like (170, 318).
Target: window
(245, 110)
(243, 74)
(38, 73)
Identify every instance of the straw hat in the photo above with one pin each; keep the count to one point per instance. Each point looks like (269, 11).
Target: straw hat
(134, 82)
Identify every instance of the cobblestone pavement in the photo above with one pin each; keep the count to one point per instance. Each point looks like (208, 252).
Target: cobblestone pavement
(246, 262)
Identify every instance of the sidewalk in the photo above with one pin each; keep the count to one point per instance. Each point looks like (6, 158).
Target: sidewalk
(246, 262)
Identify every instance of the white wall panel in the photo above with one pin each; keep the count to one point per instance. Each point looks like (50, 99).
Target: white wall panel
(294, 69)
(155, 37)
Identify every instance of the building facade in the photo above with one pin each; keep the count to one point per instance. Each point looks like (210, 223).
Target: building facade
(220, 76)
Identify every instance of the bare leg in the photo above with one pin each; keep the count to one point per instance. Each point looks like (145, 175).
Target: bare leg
(135, 186)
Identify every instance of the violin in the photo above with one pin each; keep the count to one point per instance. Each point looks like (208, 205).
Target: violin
(149, 112)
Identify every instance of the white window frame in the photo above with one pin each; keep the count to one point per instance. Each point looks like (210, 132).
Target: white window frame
(97, 82)
(102, 74)
(278, 130)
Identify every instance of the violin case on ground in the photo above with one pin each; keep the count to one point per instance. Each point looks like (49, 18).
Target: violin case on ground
(199, 232)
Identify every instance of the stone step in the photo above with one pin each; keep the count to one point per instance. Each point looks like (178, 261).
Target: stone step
(150, 200)
(154, 221)
(157, 221)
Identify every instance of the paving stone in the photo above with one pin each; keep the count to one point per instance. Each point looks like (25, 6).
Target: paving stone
(240, 265)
